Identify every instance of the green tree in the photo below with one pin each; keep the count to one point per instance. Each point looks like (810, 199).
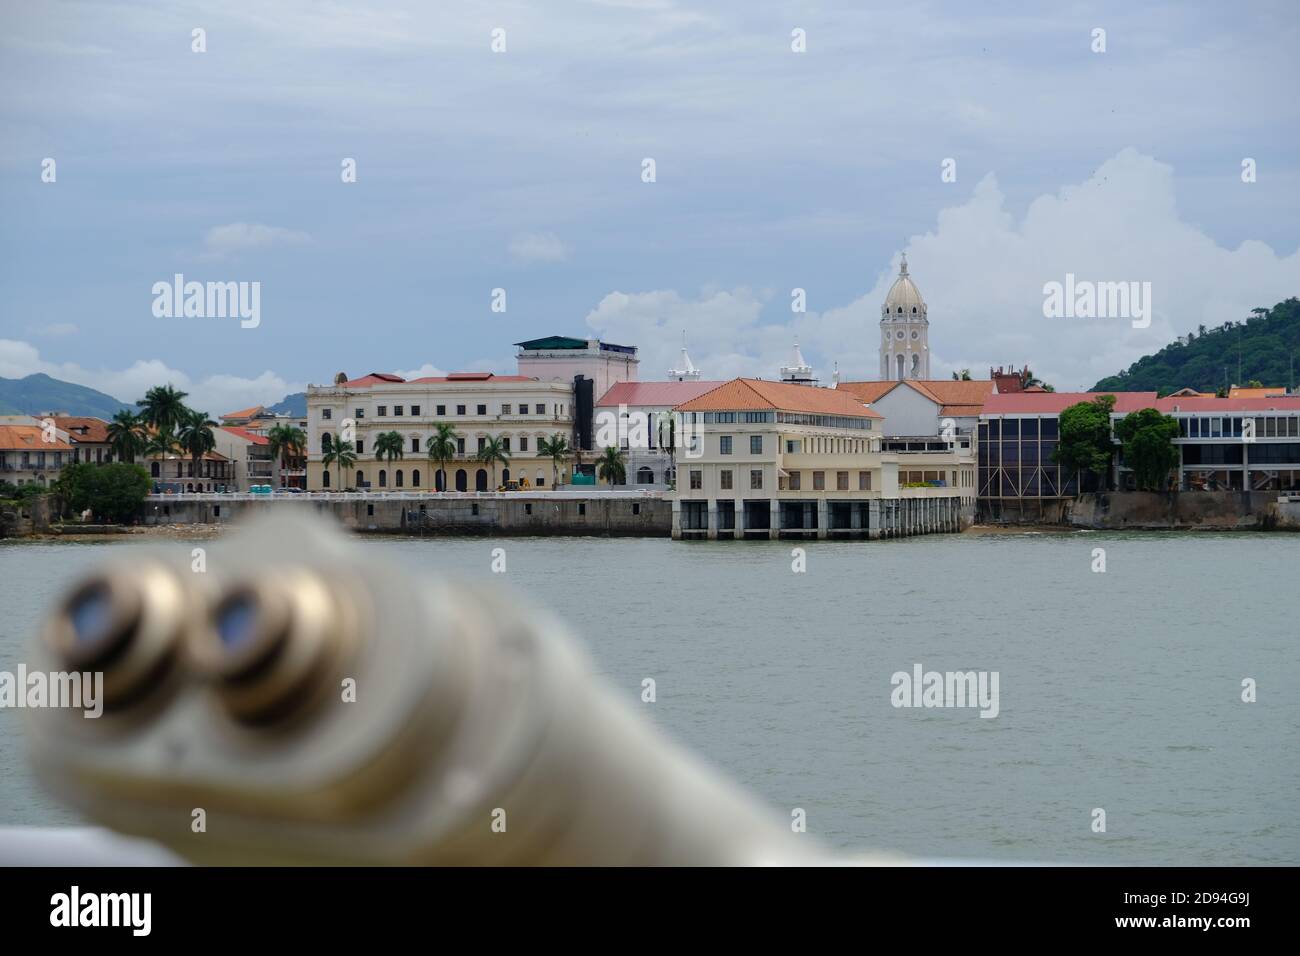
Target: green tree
(388, 445)
(1148, 447)
(113, 492)
(163, 407)
(196, 438)
(963, 377)
(1085, 443)
(557, 449)
(287, 443)
(126, 435)
(492, 452)
(340, 453)
(611, 466)
(441, 446)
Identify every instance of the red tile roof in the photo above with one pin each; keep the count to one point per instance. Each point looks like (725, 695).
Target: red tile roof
(1053, 403)
(255, 437)
(752, 393)
(1187, 403)
(83, 429)
(374, 378)
(867, 391)
(957, 397)
(455, 377)
(28, 438)
(662, 394)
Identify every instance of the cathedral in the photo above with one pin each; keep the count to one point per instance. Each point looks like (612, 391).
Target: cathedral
(904, 331)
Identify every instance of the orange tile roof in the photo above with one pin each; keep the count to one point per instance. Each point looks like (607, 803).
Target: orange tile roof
(243, 413)
(96, 429)
(256, 438)
(867, 391)
(1244, 392)
(28, 438)
(742, 394)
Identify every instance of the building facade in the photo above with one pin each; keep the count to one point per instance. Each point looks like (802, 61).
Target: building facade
(775, 459)
(639, 418)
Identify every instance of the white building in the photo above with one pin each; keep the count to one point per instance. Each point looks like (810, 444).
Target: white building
(639, 415)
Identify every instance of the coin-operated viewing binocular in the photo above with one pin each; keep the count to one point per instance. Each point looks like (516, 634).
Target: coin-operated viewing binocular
(305, 701)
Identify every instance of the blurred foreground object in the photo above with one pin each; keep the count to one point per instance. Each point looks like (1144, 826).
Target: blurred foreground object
(304, 701)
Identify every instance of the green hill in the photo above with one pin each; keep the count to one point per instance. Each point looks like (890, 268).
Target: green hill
(1264, 345)
(39, 393)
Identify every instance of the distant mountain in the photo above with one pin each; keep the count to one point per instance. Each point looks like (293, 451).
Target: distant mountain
(40, 393)
(1235, 353)
(295, 404)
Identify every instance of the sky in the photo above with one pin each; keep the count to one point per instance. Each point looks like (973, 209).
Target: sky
(523, 169)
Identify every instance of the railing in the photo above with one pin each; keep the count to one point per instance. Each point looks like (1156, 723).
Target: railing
(280, 494)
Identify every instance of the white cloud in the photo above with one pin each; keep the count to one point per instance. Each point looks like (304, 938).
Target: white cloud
(424, 371)
(539, 247)
(236, 237)
(215, 394)
(982, 274)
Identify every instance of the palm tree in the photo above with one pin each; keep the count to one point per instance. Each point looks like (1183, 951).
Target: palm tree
(388, 445)
(286, 442)
(195, 438)
(342, 453)
(442, 448)
(611, 466)
(163, 407)
(493, 451)
(557, 449)
(126, 435)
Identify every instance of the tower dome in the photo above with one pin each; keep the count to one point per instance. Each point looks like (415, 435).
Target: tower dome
(904, 330)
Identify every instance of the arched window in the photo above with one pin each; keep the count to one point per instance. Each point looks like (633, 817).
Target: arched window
(505, 475)
(914, 310)
(439, 481)
(462, 480)
(154, 469)
(900, 310)
(645, 476)
(899, 362)
(361, 479)
(415, 477)
(324, 479)
(383, 478)
(481, 480)
(398, 478)
(916, 365)
(326, 442)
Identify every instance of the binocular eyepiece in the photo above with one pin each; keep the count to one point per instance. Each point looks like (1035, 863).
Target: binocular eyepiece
(263, 645)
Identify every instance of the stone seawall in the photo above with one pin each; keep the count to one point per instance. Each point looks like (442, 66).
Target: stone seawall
(560, 514)
(1186, 510)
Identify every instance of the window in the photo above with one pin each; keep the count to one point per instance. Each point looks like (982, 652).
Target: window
(505, 443)
(505, 409)
(541, 409)
(383, 478)
(724, 479)
(415, 410)
(460, 449)
(327, 413)
(636, 508)
(841, 481)
(441, 410)
(361, 413)
(724, 445)
(756, 444)
(381, 411)
(481, 442)
(460, 409)
(370, 511)
(819, 481)
(528, 508)
(796, 483)
(397, 410)
(324, 479)
(398, 477)
(415, 478)
(482, 410)
(756, 478)
(697, 479)
(582, 507)
(792, 446)
(415, 444)
(864, 481)
(360, 446)
(645, 475)
(523, 443)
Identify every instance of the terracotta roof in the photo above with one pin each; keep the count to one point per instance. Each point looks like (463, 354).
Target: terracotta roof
(1053, 403)
(655, 393)
(374, 378)
(255, 437)
(1243, 392)
(1249, 404)
(741, 394)
(244, 412)
(28, 438)
(463, 377)
(867, 391)
(82, 428)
